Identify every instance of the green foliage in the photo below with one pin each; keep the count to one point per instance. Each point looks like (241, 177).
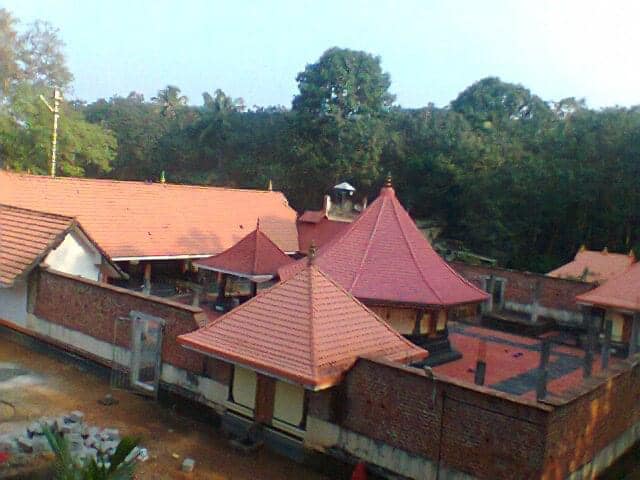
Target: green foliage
(25, 137)
(343, 83)
(67, 467)
(499, 170)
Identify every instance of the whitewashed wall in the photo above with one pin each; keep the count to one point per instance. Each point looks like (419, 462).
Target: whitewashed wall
(75, 256)
(13, 304)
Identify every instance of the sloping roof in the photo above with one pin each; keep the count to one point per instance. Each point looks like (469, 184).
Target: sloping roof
(254, 255)
(312, 216)
(383, 257)
(138, 219)
(307, 330)
(320, 233)
(26, 237)
(594, 266)
(621, 291)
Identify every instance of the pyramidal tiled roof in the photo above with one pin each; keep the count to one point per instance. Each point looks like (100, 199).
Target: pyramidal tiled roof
(307, 329)
(383, 257)
(595, 266)
(256, 254)
(139, 219)
(621, 291)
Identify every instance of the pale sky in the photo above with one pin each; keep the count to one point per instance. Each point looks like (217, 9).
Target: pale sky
(432, 49)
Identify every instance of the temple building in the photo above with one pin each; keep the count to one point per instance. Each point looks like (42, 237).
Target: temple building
(251, 262)
(299, 336)
(617, 301)
(384, 261)
(594, 266)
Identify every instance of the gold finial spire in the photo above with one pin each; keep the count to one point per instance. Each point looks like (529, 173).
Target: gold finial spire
(387, 182)
(313, 251)
(583, 248)
(258, 224)
(632, 254)
(162, 177)
(270, 186)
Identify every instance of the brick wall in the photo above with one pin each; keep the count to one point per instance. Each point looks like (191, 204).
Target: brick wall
(602, 412)
(484, 433)
(91, 308)
(554, 293)
(487, 436)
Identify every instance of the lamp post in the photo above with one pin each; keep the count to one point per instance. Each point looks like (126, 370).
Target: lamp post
(57, 96)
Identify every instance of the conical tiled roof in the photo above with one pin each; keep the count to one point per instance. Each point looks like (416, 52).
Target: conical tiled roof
(308, 330)
(253, 256)
(383, 257)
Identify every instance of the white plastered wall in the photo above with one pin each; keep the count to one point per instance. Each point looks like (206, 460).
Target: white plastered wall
(13, 303)
(76, 256)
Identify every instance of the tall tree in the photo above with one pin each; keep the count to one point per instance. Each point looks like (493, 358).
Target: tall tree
(343, 82)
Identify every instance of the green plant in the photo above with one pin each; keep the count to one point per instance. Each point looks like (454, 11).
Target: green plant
(69, 467)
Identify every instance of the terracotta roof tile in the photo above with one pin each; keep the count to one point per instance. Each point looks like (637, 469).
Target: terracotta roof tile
(138, 219)
(621, 291)
(383, 257)
(598, 266)
(308, 330)
(254, 255)
(320, 233)
(26, 236)
(312, 216)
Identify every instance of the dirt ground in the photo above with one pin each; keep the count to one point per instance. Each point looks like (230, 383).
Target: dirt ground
(52, 386)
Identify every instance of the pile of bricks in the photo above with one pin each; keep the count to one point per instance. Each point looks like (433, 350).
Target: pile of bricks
(85, 441)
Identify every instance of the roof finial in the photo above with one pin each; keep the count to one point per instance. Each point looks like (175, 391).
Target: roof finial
(632, 254)
(270, 187)
(583, 248)
(605, 250)
(162, 178)
(313, 251)
(258, 224)
(388, 182)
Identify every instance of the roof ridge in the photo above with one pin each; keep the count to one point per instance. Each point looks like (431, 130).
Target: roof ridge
(142, 182)
(66, 218)
(369, 241)
(312, 350)
(413, 254)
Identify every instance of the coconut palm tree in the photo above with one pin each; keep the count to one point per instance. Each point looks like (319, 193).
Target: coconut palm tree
(169, 100)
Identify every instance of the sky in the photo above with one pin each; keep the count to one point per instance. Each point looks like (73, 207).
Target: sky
(432, 49)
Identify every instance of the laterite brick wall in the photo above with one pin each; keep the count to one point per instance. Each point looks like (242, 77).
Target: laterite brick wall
(91, 308)
(555, 293)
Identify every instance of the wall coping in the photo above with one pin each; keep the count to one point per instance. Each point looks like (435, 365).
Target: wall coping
(460, 384)
(123, 291)
(523, 272)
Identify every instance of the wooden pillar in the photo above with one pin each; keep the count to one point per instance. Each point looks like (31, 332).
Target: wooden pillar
(222, 286)
(606, 344)
(147, 279)
(416, 327)
(265, 399)
(635, 327)
(589, 319)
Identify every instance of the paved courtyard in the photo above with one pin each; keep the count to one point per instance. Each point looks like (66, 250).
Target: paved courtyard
(34, 384)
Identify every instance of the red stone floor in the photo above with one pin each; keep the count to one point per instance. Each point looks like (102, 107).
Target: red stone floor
(512, 361)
